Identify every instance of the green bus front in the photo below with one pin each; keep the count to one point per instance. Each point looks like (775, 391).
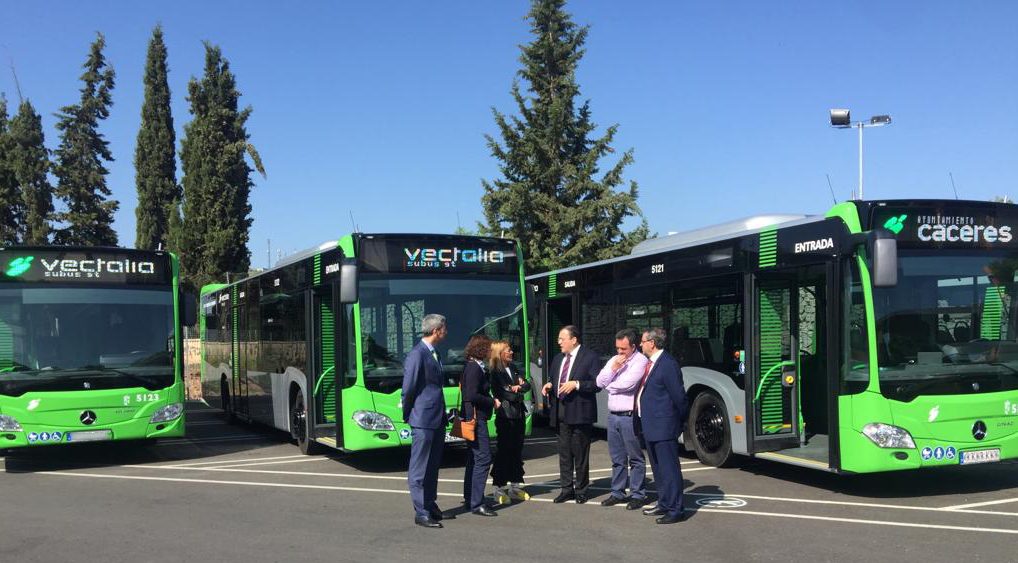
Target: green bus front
(477, 283)
(932, 370)
(90, 346)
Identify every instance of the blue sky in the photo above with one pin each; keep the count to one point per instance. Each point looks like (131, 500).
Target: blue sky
(379, 108)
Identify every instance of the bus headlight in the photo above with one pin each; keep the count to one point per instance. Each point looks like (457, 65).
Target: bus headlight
(887, 436)
(9, 424)
(167, 413)
(371, 420)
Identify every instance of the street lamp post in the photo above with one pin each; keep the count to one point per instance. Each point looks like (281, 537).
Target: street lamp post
(842, 119)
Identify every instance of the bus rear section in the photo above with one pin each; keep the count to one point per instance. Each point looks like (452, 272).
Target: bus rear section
(90, 346)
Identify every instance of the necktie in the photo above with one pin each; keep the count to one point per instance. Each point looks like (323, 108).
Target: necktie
(565, 373)
(639, 390)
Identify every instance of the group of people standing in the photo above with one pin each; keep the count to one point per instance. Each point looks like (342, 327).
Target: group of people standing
(647, 405)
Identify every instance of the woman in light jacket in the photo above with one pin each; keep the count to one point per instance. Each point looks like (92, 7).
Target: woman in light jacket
(509, 386)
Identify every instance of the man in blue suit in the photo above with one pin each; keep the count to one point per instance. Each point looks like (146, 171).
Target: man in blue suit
(661, 410)
(424, 410)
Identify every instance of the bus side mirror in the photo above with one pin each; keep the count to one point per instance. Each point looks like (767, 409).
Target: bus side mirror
(189, 309)
(348, 283)
(883, 251)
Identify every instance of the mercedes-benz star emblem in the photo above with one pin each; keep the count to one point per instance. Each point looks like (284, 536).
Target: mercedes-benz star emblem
(979, 430)
(87, 417)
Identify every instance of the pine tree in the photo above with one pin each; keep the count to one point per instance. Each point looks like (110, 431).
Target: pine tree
(81, 176)
(155, 155)
(11, 206)
(30, 164)
(552, 196)
(217, 182)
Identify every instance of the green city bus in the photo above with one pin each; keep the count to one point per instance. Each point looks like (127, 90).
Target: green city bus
(90, 345)
(880, 336)
(315, 345)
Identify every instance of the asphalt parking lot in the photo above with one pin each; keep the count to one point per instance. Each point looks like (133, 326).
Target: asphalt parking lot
(236, 492)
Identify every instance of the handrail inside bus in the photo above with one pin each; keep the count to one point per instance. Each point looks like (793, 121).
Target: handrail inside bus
(765, 375)
(321, 378)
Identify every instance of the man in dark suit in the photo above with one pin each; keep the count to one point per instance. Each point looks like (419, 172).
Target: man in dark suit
(661, 410)
(424, 410)
(573, 411)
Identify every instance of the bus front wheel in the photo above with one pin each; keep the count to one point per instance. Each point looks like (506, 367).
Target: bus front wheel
(708, 430)
(299, 429)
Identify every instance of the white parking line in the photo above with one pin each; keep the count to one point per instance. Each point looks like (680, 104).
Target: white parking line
(609, 469)
(234, 461)
(978, 504)
(861, 521)
(305, 460)
(177, 442)
(405, 492)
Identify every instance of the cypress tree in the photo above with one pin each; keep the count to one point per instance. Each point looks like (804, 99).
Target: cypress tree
(81, 176)
(217, 178)
(30, 164)
(155, 155)
(11, 206)
(553, 196)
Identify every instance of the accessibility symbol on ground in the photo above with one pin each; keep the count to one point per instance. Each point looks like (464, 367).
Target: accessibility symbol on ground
(721, 502)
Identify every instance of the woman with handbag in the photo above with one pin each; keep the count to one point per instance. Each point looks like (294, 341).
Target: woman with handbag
(477, 406)
(509, 386)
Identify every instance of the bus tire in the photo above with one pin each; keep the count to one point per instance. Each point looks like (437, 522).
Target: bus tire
(708, 430)
(299, 428)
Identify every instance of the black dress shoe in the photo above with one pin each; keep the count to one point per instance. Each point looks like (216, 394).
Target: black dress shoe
(427, 522)
(668, 519)
(613, 500)
(483, 511)
(580, 499)
(635, 503)
(437, 516)
(562, 497)
(655, 511)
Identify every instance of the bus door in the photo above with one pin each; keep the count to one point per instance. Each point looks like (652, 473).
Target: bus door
(556, 312)
(325, 362)
(241, 330)
(789, 372)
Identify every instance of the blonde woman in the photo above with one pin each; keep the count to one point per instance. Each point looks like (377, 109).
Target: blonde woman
(508, 385)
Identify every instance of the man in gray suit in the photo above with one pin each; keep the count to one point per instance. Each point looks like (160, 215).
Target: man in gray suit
(424, 410)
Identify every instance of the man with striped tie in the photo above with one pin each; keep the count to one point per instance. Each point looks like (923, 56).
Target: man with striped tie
(573, 411)
(424, 410)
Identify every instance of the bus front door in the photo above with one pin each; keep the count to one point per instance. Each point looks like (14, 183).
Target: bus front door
(773, 376)
(327, 395)
(556, 312)
(789, 373)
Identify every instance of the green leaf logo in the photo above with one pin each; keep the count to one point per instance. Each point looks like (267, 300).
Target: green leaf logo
(896, 224)
(19, 266)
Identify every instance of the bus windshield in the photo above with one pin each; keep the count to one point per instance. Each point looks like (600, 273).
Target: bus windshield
(72, 338)
(392, 307)
(950, 325)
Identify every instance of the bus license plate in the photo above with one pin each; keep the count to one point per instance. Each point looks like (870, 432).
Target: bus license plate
(90, 436)
(450, 438)
(979, 456)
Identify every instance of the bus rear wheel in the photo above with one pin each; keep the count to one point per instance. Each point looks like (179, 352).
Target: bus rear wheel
(709, 431)
(299, 429)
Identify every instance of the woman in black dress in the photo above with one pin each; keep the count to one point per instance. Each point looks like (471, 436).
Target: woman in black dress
(509, 386)
(478, 405)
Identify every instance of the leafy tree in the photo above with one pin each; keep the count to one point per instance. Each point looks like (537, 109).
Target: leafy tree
(30, 163)
(217, 178)
(11, 206)
(553, 196)
(155, 155)
(81, 176)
